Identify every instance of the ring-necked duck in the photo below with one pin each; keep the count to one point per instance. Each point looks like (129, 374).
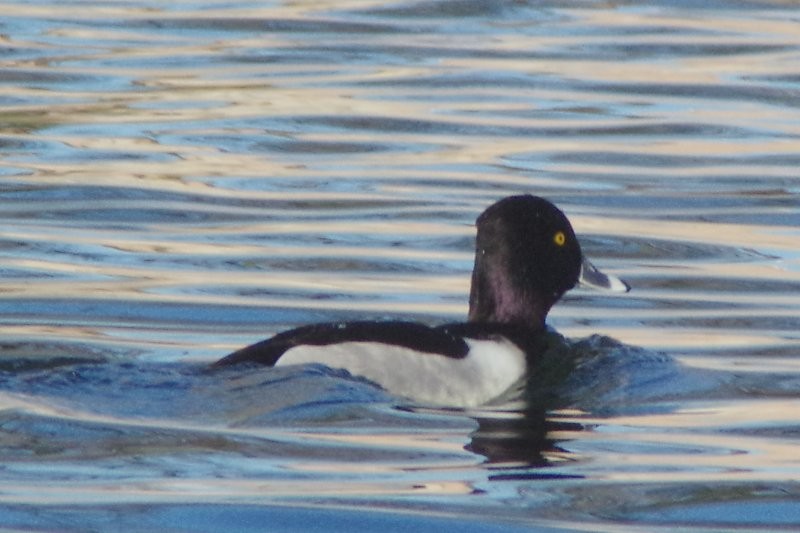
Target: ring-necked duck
(526, 258)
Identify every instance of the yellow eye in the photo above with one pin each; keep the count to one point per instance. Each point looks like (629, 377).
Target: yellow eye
(559, 238)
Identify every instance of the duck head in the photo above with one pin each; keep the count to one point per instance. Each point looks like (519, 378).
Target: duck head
(526, 258)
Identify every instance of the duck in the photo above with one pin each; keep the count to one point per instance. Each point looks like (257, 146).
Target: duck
(526, 257)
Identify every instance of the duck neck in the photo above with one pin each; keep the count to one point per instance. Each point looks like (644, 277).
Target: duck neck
(496, 298)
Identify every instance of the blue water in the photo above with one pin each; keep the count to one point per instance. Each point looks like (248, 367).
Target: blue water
(180, 180)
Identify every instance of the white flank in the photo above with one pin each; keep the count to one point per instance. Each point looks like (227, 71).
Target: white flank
(488, 370)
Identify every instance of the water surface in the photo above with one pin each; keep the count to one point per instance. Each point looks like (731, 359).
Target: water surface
(178, 181)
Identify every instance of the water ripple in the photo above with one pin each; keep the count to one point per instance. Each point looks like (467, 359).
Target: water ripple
(179, 180)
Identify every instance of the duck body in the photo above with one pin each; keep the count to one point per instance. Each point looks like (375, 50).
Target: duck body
(526, 258)
(463, 364)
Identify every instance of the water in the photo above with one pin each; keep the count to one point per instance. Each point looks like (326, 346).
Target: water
(177, 181)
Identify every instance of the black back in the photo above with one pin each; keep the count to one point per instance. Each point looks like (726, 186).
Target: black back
(411, 335)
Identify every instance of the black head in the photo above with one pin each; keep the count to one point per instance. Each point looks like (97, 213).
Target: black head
(526, 258)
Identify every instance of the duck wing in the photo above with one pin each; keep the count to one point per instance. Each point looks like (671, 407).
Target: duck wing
(410, 335)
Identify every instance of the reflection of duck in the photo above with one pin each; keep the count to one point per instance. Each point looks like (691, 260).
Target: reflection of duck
(526, 258)
(515, 441)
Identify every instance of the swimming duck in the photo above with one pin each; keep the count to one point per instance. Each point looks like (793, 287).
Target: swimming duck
(526, 258)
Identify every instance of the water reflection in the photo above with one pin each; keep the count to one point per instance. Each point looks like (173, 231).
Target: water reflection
(179, 180)
(519, 445)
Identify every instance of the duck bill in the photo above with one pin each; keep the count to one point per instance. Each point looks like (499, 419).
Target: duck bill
(591, 277)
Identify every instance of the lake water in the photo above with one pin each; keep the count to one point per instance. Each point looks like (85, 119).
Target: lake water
(180, 179)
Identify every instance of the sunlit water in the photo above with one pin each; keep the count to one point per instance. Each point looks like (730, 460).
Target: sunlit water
(180, 179)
